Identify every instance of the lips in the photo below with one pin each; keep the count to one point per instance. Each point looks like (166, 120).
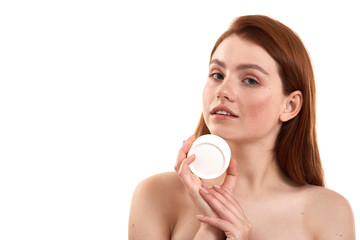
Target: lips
(223, 110)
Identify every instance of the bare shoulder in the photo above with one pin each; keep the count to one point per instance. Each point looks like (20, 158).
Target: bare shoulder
(329, 214)
(158, 191)
(159, 186)
(153, 205)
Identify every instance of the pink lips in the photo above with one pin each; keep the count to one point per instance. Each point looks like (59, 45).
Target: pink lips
(223, 108)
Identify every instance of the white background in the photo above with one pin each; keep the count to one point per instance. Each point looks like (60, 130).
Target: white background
(97, 95)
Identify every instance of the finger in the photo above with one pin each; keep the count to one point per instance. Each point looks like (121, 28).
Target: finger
(221, 206)
(233, 205)
(183, 151)
(184, 172)
(192, 184)
(231, 177)
(187, 144)
(229, 198)
(239, 231)
(216, 222)
(184, 166)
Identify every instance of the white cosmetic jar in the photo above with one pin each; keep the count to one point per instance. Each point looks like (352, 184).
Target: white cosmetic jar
(212, 156)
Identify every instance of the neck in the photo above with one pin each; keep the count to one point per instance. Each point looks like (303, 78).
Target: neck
(257, 166)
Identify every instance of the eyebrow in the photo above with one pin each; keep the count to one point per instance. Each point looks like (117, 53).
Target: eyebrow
(241, 66)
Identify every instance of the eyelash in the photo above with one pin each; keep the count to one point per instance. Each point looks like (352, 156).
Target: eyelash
(212, 75)
(255, 82)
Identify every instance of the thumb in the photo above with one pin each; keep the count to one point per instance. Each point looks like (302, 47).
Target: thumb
(231, 177)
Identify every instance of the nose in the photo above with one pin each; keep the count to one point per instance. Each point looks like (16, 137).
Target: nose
(225, 91)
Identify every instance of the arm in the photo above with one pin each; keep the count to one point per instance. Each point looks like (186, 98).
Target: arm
(149, 213)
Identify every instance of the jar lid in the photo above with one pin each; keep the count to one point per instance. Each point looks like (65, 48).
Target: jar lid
(212, 156)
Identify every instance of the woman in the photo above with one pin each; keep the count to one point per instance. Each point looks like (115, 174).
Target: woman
(259, 97)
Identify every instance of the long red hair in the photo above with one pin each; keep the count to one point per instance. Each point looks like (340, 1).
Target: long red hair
(296, 147)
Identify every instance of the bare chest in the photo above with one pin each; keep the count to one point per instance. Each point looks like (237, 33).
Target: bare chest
(271, 220)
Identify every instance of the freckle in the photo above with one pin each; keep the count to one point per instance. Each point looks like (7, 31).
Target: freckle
(133, 225)
(302, 213)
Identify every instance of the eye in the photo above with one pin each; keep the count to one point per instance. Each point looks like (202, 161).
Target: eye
(251, 81)
(216, 76)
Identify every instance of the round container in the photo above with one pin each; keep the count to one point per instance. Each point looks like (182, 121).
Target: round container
(212, 156)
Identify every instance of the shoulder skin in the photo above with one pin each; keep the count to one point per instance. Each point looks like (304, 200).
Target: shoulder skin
(329, 215)
(154, 205)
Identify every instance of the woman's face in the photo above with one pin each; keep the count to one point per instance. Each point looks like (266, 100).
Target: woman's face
(243, 96)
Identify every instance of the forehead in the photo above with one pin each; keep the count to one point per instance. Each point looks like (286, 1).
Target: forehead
(235, 50)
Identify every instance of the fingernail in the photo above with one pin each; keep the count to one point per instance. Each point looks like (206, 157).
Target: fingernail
(204, 190)
(200, 216)
(217, 186)
(207, 185)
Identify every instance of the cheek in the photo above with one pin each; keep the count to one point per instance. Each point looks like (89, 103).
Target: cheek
(206, 98)
(262, 109)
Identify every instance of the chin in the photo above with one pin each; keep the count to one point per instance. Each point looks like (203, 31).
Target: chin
(226, 134)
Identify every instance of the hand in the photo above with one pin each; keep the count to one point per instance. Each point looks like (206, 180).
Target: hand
(191, 182)
(212, 221)
(230, 216)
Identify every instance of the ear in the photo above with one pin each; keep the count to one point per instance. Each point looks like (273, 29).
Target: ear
(292, 107)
